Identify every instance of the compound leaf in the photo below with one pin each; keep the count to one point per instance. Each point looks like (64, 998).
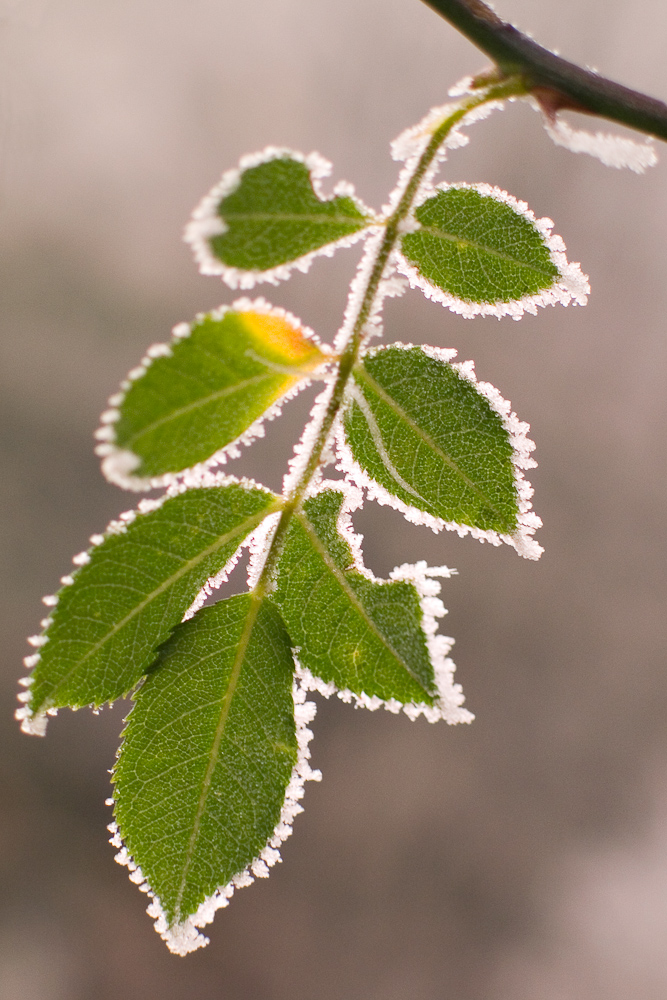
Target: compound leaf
(478, 250)
(132, 589)
(268, 215)
(199, 395)
(431, 439)
(207, 755)
(365, 636)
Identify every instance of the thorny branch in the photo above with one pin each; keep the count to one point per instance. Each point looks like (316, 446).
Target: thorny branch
(553, 81)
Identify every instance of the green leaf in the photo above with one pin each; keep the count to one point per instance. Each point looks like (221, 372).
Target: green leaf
(132, 589)
(218, 379)
(207, 756)
(367, 637)
(270, 214)
(432, 440)
(478, 250)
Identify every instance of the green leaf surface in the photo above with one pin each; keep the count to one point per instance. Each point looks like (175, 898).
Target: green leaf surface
(208, 753)
(138, 584)
(274, 216)
(479, 249)
(362, 635)
(213, 385)
(429, 437)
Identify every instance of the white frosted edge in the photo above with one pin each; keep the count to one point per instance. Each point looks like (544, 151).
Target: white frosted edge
(612, 150)
(411, 143)
(205, 221)
(185, 937)
(35, 725)
(302, 448)
(462, 88)
(572, 287)
(391, 285)
(450, 696)
(118, 464)
(528, 522)
(259, 543)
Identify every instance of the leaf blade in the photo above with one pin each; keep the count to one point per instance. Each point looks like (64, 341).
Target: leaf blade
(366, 637)
(269, 215)
(194, 400)
(208, 755)
(133, 588)
(426, 439)
(480, 251)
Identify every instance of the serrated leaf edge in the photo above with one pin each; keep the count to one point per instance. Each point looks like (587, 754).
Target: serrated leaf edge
(205, 221)
(450, 695)
(183, 938)
(572, 287)
(528, 522)
(119, 463)
(35, 725)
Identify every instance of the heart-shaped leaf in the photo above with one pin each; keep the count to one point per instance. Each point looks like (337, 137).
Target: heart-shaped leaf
(270, 214)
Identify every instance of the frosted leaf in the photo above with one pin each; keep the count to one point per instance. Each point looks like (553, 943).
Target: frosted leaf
(372, 641)
(213, 763)
(479, 251)
(208, 393)
(270, 215)
(422, 435)
(612, 150)
(138, 583)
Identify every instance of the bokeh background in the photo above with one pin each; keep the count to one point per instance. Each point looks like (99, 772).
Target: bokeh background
(522, 857)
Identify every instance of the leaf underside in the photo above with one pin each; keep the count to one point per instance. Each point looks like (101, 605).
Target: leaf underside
(274, 217)
(213, 386)
(208, 752)
(429, 437)
(137, 586)
(365, 636)
(478, 249)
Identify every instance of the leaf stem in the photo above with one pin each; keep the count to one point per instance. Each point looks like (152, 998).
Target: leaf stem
(510, 87)
(554, 81)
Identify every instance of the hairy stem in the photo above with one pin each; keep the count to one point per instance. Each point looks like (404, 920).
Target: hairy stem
(556, 82)
(511, 87)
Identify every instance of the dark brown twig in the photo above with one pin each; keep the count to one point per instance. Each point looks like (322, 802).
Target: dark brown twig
(554, 81)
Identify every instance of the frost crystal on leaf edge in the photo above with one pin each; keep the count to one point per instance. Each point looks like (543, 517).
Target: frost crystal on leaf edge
(528, 522)
(185, 937)
(205, 221)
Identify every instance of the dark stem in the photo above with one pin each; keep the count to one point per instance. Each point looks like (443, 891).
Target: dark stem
(555, 82)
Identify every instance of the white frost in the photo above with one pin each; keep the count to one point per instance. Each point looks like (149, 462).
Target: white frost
(528, 522)
(185, 937)
(206, 222)
(612, 150)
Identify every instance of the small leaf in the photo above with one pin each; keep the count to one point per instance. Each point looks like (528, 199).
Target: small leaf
(478, 250)
(207, 756)
(270, 214)
(363, 635)
(211, 386)
(133, 588)
(431, 439)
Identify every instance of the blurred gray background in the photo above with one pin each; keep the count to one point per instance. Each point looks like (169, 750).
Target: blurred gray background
(521, 858)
